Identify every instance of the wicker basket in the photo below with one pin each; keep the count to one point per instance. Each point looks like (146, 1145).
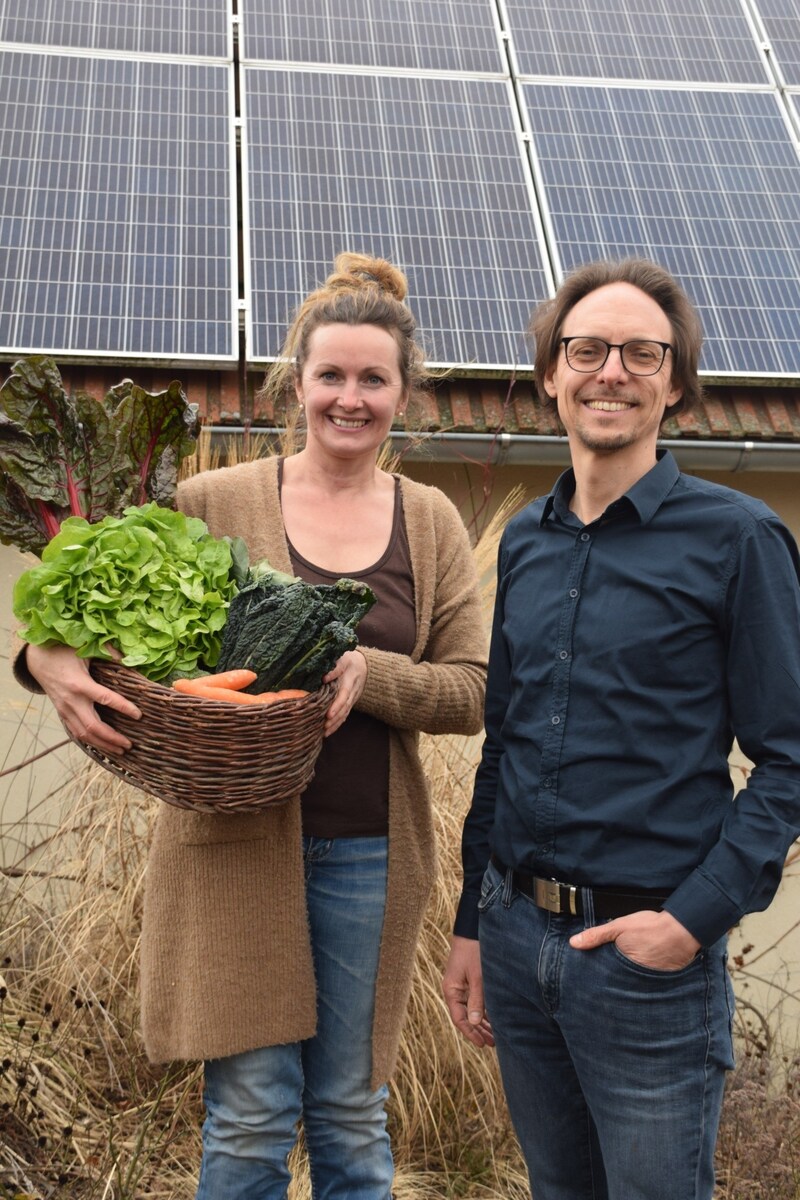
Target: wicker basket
(212, 756)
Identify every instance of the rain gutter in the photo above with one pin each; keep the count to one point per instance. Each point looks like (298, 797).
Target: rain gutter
(540, 450)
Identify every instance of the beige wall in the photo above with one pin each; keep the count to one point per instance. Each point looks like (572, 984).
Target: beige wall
(27, 725)
(464, 484)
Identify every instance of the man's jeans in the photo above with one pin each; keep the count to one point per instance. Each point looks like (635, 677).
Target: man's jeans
(255, 1100)
(614, 1072)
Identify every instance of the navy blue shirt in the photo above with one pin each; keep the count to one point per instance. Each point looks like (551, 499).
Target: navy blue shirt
(626, 655)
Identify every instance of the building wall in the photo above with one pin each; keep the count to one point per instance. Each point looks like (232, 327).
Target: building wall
(464, 483)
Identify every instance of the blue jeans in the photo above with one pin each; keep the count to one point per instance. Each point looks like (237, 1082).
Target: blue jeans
(614, 1072)
(254, 1101)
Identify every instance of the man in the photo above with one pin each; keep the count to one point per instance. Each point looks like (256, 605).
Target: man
(643, 619)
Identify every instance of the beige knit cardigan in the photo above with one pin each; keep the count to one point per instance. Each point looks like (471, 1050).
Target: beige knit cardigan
(226, 956)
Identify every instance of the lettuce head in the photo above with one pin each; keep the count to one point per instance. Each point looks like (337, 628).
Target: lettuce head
(153, 582)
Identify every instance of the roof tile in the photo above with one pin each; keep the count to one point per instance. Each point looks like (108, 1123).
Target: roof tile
(465, 405)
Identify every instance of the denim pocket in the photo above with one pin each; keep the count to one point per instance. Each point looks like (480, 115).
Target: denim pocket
(657, 972)
(491, 887)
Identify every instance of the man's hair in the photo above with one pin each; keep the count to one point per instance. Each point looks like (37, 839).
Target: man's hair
(687, 334)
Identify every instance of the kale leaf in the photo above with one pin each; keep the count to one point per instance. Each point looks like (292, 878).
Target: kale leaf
(290, 632)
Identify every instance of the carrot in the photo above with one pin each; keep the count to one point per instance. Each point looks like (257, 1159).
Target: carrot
(285, 694)
(214, 693)
(235, 680)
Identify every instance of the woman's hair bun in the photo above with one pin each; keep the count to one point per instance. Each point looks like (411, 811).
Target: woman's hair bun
(352, 270)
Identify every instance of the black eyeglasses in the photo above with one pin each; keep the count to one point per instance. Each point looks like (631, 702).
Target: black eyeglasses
(639, 357)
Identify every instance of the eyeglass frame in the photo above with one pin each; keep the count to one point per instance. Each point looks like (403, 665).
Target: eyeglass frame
(665, 346)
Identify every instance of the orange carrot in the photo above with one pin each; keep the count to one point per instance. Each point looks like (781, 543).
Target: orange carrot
(285, 694)
(214, 693)
(235, 680)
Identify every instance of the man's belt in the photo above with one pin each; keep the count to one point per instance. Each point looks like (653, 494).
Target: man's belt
(567, 898)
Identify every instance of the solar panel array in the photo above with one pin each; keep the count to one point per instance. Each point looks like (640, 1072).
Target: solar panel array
(486, 146)
(702, 175)
(780, 20)
(117, 195)
(180, 27)
(699, 41)
(433, 35)
(705, 182)
(426, 171)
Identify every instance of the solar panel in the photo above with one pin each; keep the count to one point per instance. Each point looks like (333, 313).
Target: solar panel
(426, 172)
(794, 101)
(116, 221)
(781, 21)
(705, 182)
(438, 35)
(694, 41)
(180, 27)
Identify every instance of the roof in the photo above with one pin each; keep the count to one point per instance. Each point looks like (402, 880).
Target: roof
(472, 406)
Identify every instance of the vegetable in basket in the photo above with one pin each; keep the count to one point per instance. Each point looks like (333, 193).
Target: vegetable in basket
(152, 582)
(290, 632)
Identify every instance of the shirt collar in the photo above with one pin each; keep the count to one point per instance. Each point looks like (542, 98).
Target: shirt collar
(646, 496)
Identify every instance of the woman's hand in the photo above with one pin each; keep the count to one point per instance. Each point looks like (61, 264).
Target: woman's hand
(350, 673)
(67, 682)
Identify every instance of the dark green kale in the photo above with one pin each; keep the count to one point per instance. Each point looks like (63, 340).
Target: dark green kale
(289, 632)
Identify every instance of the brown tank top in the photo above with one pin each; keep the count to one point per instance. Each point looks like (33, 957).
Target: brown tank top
(349, 794)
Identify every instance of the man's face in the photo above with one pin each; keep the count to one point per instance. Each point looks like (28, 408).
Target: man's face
(611, 409)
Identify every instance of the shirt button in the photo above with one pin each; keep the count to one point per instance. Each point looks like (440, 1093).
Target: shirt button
(547, 782)
(555, 720)
(584, 537)
(573, 592)
(563, 654)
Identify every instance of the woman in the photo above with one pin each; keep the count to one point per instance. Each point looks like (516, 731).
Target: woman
(279, 946)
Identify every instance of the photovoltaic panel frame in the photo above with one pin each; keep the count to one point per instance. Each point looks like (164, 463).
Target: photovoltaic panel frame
(696, 41)
(781, 21)
(117, 228)
(199, 28)
(705, 182)
(436, 35)
(426, 172)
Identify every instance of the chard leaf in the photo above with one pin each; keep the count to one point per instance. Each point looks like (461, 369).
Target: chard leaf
(62, 455)
(24, 521)
(153, 431)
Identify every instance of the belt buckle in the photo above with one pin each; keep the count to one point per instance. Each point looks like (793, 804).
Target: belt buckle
(547, 894)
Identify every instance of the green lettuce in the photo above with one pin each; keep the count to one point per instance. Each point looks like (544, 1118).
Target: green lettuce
(63, 456)
(153, 582)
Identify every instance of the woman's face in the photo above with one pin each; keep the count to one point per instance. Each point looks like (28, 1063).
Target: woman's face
(351, 388)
